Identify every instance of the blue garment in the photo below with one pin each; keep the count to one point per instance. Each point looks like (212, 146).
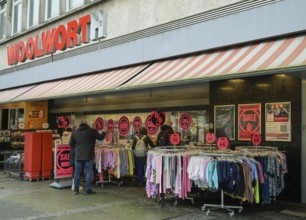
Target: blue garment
(79, 167)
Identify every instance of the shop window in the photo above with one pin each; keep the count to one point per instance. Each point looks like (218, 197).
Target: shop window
(71, 4)
(192, 132)
(52, 8)
(33, 13)
(17, 15)
(13, 119)
(2, 21)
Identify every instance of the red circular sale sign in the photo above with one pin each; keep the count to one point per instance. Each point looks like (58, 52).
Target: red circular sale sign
(210, 138)
(175, 139)
(150, 126)
(110, 125)
(222, 143)
(256, 139)
(99, 124)
(124, 125)
(185, 121)
(137, 123)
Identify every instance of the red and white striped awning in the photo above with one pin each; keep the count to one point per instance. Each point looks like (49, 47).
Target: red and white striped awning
(81, 85)
(7, 95)
(269, 55)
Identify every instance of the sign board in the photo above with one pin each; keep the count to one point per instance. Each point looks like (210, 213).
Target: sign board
(210, 138)
(256, 139)
(249, 121)
(110, 125)
(150, 126)
(175, 139)
(158, 118)
(62, 169)
(185, 121)
(137, 123)
(99, 124)
(124, 125)
(222, 143)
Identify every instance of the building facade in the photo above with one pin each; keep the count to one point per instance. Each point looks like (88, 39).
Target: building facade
(110, 58)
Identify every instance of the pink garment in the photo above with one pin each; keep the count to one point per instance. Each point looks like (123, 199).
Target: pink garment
(261, 177)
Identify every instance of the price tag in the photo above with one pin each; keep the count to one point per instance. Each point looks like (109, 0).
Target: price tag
(222, 143)
(256, 139)
(175, 139)
(210, 138)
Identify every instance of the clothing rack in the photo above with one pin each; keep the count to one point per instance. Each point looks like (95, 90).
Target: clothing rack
(171, 150)
(229, 208)
(108, 181)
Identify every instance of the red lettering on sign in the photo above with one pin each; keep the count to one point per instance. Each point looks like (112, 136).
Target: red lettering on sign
(72, 38)
(30, 48)
(222, 143)
(249, 117)
(38, 51)
(21, 52)
(210, 138)
(48, 41)
(84, 23)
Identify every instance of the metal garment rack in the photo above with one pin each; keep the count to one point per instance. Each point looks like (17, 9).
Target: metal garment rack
(172, 150)
(229, 208)
(109, 179)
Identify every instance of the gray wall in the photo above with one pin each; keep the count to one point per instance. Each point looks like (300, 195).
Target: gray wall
(275, 19)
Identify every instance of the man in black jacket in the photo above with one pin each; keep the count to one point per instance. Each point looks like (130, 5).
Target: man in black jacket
(83, 143)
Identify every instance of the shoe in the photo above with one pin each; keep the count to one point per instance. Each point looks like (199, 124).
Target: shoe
(76, 192)
(90, 192)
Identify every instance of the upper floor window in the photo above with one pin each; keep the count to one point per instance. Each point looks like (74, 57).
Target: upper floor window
(52, 8)
(71, 4)
(17, 15)
(33, 13)
(2, 21)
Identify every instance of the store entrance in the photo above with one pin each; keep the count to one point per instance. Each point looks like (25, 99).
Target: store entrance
(4, 118)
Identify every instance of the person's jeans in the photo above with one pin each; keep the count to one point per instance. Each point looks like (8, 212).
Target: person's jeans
(139, 167)
(79, 167)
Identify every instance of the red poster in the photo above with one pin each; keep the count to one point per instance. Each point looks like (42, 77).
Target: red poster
(151, 127)
(185, 121)
(110, 125)
(137, 123)
(99, 124)
(256, 139)
(124, 126)
(249, 121)
(62, 167)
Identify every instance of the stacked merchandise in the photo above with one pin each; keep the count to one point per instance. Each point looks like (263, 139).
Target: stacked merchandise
(38, 163)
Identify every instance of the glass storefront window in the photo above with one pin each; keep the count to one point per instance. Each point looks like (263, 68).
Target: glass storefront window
(194, 135)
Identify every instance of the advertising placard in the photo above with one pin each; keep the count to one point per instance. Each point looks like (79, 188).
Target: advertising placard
(110, 125)
(225, 121)
(137, 123)
(62, 169)
(249, 121)
(124, 126)
(185, 121)
(99, 124)
(150, 126)
(278, 121)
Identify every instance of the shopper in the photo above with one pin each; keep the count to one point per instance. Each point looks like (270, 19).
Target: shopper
(163, 137)
(82, 141)
(66, 136)
(141, 144)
